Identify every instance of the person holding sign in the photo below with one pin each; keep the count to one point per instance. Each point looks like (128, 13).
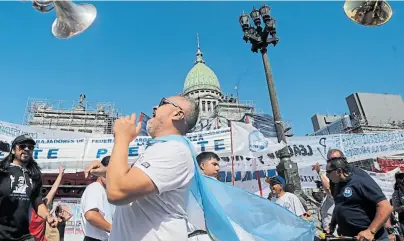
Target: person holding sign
(151, 195)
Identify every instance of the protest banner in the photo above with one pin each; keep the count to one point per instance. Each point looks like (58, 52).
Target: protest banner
(247, 141)
(308, 177)
(50, 153)
(308, 150)
(76, 153)
(385, 181)
(217, 141)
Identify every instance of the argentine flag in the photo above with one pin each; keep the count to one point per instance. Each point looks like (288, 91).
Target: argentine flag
(233, 214)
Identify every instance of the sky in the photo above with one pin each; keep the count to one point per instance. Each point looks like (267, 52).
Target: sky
(135, 53)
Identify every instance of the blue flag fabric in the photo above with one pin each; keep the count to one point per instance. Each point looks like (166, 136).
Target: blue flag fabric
(233, 214)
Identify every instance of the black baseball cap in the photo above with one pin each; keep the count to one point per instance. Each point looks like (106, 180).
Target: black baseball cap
(23, 139)
(105, 161)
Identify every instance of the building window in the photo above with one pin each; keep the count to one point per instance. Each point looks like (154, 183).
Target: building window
(209, 106)
(203, 106)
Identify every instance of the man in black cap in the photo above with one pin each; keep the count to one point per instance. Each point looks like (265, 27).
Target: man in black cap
(20, 188)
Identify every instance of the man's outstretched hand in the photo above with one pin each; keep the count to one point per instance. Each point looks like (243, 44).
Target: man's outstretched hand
(96, 169)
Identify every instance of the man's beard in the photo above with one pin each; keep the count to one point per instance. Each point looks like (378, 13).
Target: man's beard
(23, 159)
(153, 126)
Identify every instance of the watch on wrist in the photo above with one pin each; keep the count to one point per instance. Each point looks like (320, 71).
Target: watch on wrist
(390, 230)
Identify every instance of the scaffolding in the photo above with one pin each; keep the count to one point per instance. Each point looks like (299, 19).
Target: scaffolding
(78, 115)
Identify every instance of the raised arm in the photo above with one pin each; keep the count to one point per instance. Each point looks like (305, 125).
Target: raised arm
(67, 214)
(51, 194)
(324, 179)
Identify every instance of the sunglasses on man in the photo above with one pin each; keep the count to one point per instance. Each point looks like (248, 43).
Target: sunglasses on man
(24, 146)
(165, 101)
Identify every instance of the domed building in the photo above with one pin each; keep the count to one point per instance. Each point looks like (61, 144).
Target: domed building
(215, 108)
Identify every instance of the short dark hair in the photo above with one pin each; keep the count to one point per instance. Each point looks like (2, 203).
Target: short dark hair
(339, 163)
(105, 161)
(58, 209)
(205, 156)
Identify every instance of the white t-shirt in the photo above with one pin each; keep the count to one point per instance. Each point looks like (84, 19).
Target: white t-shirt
(95, 197)
(160, 216)
(291, 202)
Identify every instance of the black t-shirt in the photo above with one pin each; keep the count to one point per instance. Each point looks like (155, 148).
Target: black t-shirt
(355, 203)
(17, 193)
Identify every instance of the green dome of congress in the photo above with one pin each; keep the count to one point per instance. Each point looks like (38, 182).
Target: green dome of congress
(201, 77)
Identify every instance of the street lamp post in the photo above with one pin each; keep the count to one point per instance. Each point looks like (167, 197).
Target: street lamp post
(260, 38)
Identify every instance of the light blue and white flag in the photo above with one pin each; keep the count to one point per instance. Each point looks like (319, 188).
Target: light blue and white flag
(233, 214)
(248, 141)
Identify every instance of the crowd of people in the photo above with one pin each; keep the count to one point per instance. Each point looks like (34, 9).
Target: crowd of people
(149, 200)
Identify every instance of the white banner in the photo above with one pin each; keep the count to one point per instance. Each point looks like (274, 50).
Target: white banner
(385, 181)
(308, 177)
(217, 141)
(75, 153)
(308, 150)
(50, 153)
(247, 141)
